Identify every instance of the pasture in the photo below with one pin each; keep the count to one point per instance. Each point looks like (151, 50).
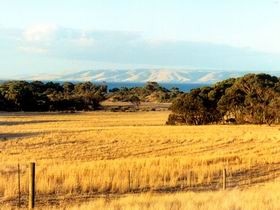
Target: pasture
(136, 161)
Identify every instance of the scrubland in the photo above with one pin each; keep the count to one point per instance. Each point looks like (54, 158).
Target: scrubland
(135, 161)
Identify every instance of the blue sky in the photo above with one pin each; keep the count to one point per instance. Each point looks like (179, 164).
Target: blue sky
(70, 35)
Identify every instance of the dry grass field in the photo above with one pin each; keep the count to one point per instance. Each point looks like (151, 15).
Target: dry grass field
(131, 160)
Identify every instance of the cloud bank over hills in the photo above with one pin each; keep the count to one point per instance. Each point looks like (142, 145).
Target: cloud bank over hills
(50, 49)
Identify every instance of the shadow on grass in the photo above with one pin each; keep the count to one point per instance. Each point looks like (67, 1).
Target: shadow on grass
(30, 114)
(12, 123)
(9, 136)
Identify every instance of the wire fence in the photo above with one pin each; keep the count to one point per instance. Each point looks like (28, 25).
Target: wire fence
(19, 182)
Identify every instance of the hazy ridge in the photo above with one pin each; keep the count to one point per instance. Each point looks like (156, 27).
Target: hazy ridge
(144, 75)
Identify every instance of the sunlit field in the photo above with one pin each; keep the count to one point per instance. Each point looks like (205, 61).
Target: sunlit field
(135, 161)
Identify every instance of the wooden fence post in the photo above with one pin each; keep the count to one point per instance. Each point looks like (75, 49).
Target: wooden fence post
(19, 186)
(224, 179)
(128, 176)
(190, 178)
(31, 185)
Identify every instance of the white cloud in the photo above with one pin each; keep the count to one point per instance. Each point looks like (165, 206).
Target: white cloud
(40, 33)
(84, 40)
(125, 48)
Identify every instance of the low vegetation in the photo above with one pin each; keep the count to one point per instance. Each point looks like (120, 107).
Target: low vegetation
(254, 98)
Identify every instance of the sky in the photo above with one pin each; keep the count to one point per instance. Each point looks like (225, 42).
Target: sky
(54, 36)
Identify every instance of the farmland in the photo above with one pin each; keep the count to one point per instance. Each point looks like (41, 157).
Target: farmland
(134, 157)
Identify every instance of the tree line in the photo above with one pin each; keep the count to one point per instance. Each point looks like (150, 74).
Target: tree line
(67, 96)
(254, 98)
(50, 96)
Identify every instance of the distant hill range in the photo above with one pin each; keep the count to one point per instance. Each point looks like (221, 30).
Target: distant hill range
(144, 75)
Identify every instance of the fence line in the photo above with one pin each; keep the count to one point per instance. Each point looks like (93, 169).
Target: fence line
(32, 183)
(223, 180)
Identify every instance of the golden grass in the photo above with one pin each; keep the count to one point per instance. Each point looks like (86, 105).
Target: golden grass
(94, 153)
(255, 198)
